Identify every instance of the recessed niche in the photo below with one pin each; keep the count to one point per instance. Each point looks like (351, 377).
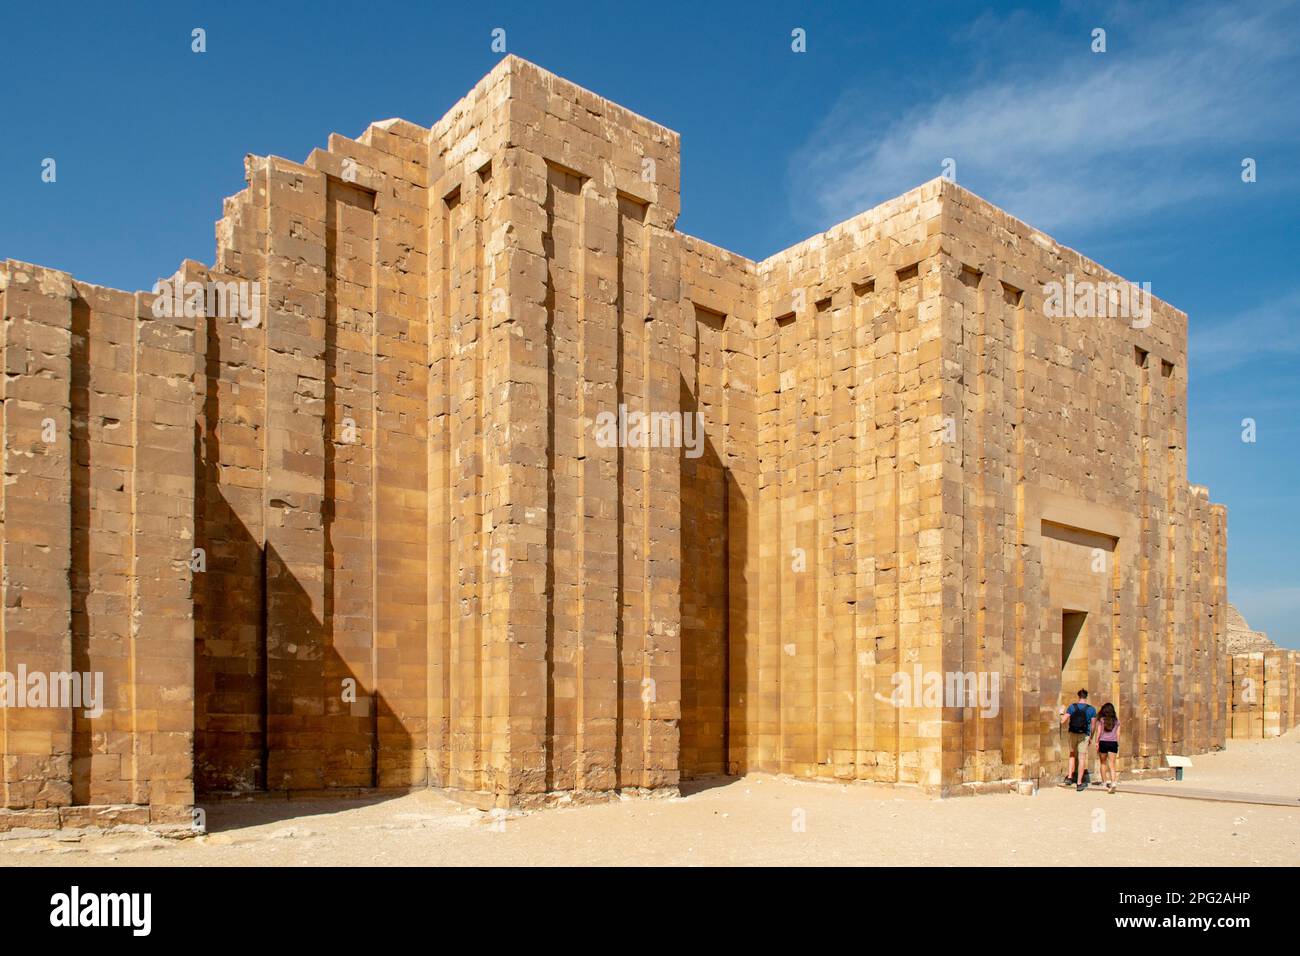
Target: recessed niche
(709, 318)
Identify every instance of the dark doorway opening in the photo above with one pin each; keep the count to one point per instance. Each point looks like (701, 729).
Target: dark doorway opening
(1074, 654)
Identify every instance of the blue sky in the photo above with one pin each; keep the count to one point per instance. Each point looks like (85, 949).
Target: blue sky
(1132, 156)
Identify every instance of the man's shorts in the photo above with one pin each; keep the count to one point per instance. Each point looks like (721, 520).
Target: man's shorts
(1078, 745)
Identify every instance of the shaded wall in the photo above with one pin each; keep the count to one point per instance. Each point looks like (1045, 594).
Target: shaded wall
(310, 655)
(719, 502)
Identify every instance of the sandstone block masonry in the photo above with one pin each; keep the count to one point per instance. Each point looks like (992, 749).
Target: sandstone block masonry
(1265, 682)
(367, 534)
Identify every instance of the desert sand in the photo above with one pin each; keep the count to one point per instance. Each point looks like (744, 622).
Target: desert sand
(755, 820)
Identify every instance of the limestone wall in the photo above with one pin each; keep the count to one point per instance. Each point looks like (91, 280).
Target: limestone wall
(425, 569)
(945, 470)
(419, 558)
(849, 499)
(95, 553)
(311, 630)
(1263, 682)
(721, 537)
(1070, 494)
(1264, 693)
(592, 321)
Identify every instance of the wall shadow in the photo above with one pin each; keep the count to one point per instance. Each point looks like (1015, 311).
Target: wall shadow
(714, 524)
(80, 565)
(269, 708)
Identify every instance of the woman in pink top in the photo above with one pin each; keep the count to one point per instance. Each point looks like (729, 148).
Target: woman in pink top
(1105, 740)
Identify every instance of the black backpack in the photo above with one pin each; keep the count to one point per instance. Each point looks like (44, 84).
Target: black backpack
(1079, 718)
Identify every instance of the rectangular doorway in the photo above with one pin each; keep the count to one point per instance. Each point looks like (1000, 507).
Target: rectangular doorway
(1074, 654)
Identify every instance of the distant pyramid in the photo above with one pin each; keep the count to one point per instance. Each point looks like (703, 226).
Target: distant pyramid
(1241, 639)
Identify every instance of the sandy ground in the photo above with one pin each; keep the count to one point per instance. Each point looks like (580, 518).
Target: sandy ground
(753, 820)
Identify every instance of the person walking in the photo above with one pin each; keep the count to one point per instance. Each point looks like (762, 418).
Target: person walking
(1078, 717)
(1105, 735)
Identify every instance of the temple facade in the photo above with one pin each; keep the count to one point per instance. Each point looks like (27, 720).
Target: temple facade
(345, 510)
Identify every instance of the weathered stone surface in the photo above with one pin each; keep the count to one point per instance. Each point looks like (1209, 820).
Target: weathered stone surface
(1265, 699)
(372, 533)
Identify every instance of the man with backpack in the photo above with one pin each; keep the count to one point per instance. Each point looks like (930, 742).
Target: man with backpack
(1079, 717)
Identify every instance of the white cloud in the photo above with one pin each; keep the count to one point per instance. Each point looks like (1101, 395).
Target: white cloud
(1270, 330)
(1073, 140)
